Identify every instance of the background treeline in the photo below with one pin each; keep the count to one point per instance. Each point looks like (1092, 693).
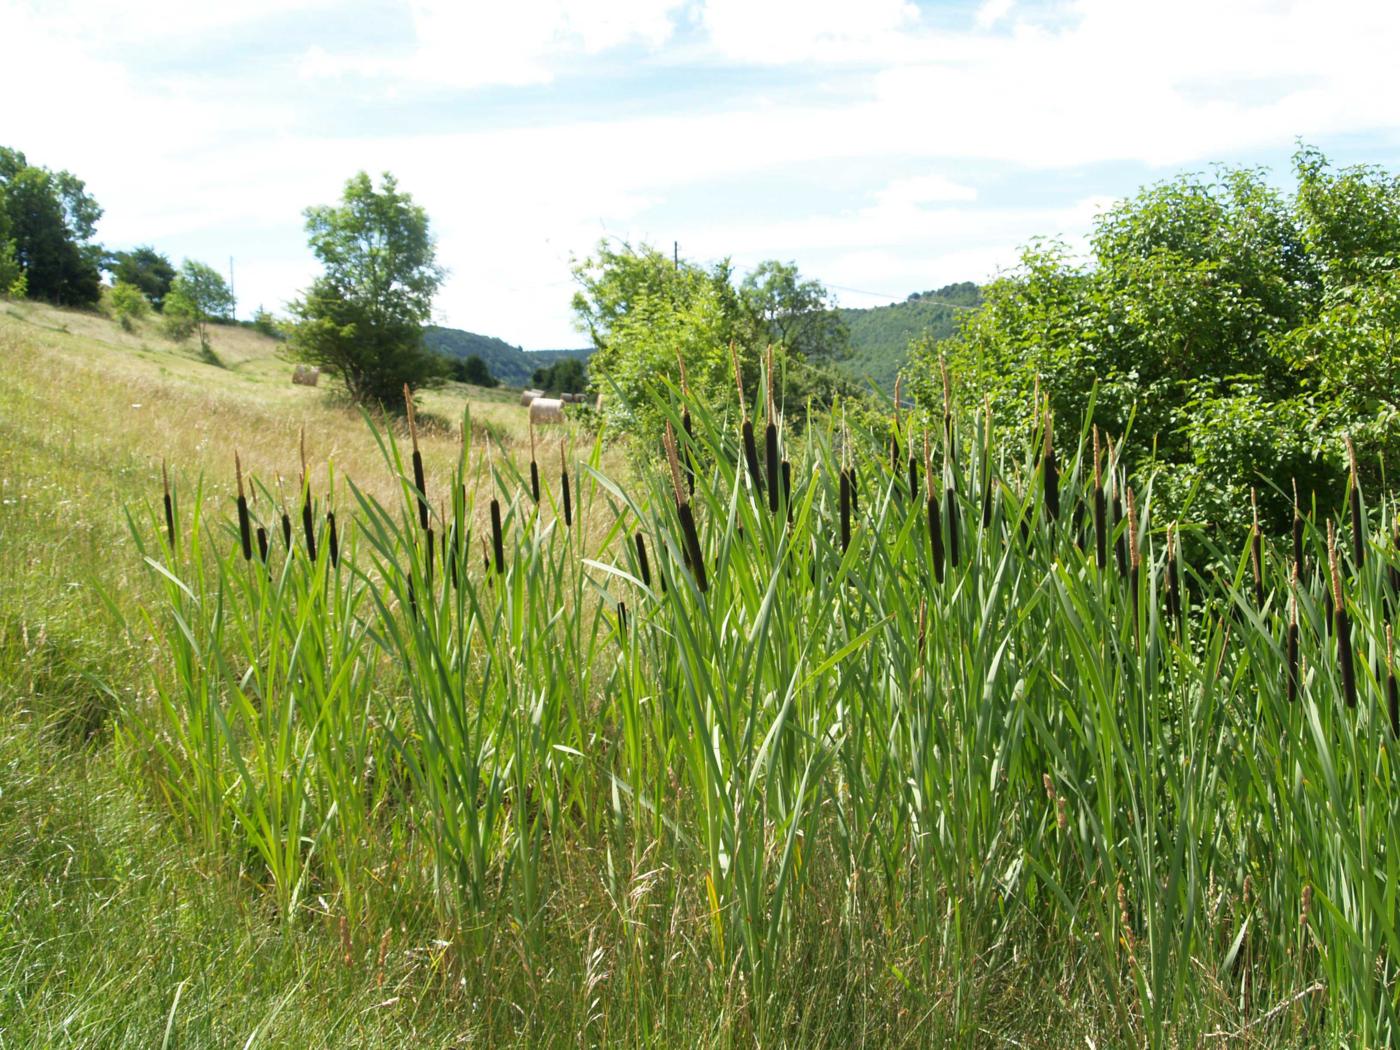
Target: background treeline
(47, 224)
(47, 221)
(1234, 332)
(653, 316)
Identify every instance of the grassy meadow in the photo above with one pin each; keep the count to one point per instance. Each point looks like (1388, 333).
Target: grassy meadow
(890, 739)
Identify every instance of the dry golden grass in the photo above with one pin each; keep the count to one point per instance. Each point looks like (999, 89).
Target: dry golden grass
(138, 398)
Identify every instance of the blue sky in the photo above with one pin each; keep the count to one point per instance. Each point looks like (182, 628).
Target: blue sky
(885, 146)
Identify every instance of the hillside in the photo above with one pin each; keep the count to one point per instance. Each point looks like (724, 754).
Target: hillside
(880, 336)
(509, 364)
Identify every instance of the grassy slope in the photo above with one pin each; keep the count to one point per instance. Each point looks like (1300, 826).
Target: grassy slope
(105, 916)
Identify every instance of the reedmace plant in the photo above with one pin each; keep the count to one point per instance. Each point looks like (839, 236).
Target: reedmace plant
(804, 710)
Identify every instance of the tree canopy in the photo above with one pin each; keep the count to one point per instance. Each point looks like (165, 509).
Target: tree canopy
(51, 220)
(11, 275)
(198, 296)
(471, 369)
(363, 318)
(568, 375)
(796, 312)
(1239, 330)
(646, 312)
(146, 269)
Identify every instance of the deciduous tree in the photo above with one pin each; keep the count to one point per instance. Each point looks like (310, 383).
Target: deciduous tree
(52, 219)
(146, 269)
(363, 317)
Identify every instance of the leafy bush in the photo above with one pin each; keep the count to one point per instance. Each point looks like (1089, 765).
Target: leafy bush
(648, 312)
(147, 270)
(266, 323)
(179, 318)
(128, 304)
(1239, 333)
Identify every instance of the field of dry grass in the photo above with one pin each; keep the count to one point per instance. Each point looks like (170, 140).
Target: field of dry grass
(141, 397)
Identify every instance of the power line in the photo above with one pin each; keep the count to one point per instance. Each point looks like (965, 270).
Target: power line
(898, 298)
(862, 291)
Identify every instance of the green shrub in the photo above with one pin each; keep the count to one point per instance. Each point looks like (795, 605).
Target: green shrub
(1239, 332)
(128, 304)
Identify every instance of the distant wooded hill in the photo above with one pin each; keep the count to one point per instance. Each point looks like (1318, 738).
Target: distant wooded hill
(880, 336)
(511, 365)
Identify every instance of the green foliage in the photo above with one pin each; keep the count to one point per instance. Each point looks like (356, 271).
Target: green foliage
(470, 369)
(10, 271)
(1237, 331)
(265, 322)
(129, 304)
(815, 721)
(796, 313)
(198, 297)
(146, 269)
(567, 375)
(51, 219)
(179, 318)
(363, 317)
(647, 312)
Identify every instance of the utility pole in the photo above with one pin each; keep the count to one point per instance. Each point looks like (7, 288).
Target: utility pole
(231, 294)
(676, 254)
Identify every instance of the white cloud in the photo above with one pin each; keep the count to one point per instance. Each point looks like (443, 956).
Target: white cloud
(779, 31)
(924, 189)
(1015, 89)
(466, 45)
(992, 12)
